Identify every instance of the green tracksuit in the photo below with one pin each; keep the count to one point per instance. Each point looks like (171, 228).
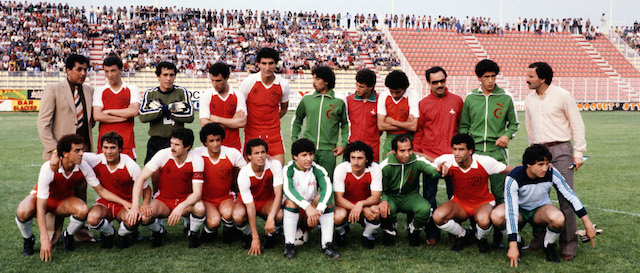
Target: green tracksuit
(401, 188)
(487, 118)
(326, 121)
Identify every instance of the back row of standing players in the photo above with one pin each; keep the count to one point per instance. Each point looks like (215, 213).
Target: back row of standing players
(430, 124)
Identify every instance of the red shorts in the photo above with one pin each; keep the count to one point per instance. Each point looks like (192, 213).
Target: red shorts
(113, 207)
(259, 204)
(217, 201)
(52, 204)
(171, 203)
(470, 208)
(274, 140)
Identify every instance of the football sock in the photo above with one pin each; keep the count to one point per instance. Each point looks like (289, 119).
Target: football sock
(123, 230)
(25, 227)
(340, 228)
(290, 225)
(227, 223)
(155, 226)
(326, 220)
(482, 233)
(186, 221)
(195, 223)
(207, 230)
(454, 228)
(74, 225)
(245, 229)
(104, 227)
(369, 228)
(550, 237)
(504, 233)
(413, 228)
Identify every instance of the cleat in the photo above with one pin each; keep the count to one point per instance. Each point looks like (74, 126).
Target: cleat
(368, 243)
(158, 238)
(207, 237)
(331, 252)
(462, 241)
(521, 245)
(550, 253)
(125, 241)
(289, 251)
(246, 241)
(388, 239)
(269, 242)
(67, 241)
(497, 240)
(567, 257)
(193, 239)
(483, 245)
(27, 246)
(107, 241)
(341, 239)
(414, 238)
(136, 235)
(227, 234)
(431, 241)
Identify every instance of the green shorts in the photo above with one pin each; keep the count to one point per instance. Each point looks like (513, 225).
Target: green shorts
(527, 217)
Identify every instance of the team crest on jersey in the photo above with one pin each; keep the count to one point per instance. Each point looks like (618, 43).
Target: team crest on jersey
(119, 182)
(186, 175)
(331, 112)
(123, 102)
(231, 109)
(404, 112)
(274, 96)
(224, 172)
(498, 112)
(474, 180)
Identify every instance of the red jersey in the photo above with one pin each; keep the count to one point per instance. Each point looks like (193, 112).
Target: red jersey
(438, 123)
(118, 181)
(106, 99)
(399, 110)
(357, 188)
(218, 175)
(263, 111)
(471, 186)
(363, 121)
(176, 180)
(58, 185)
(259, 189)
(211, 103)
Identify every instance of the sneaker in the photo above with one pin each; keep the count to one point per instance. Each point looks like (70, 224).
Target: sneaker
(289, 251)
(388, 239)
(497, 240)
(414, 238)
(207, 237)
(368, 243)
(483, 245)
(550, 253)
(227, 234)
(193, 239)
(27, 246)
(107, 241)
(341, 239)
(331, 252)
(269, 242)
(125, 241)
(246, 241)
(158, 238)
(67, 241)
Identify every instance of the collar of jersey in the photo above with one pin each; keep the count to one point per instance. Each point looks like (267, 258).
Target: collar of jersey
(371, 98)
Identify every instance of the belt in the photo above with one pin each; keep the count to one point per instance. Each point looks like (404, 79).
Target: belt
(549, 144)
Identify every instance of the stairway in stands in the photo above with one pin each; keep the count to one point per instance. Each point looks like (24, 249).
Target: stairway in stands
(95, 57)
(366, 59)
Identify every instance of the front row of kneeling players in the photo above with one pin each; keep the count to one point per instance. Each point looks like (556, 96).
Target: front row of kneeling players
(199, 185)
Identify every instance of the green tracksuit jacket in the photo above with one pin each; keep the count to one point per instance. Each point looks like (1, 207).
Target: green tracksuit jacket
(486, 118)
(326, 120)
(399, 179)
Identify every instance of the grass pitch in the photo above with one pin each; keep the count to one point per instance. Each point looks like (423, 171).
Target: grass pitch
(606, 184)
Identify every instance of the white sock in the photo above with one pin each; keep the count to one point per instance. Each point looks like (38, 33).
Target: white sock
(290, 225)
(25, 227)
(326, 220)
(207, 230)
(227, 223)
(340, 229)
(156, 226)
(186, 221)
(519, 238)
(123, 230)
(454, 228)
(369, 228)
(105, 228)
(245, 229)
(195, 223)
(74, 225)
(482, 233)
(550, 237)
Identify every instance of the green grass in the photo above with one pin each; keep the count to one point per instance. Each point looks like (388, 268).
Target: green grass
(606, 185)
